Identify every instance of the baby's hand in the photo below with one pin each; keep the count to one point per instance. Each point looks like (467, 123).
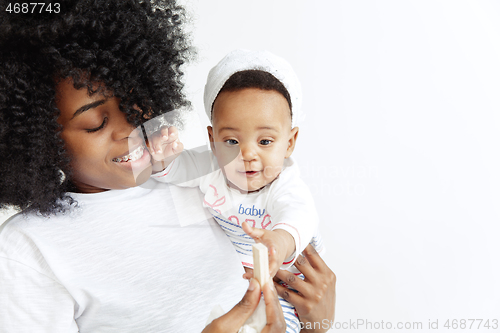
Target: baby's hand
(164, 146)
(280, 243)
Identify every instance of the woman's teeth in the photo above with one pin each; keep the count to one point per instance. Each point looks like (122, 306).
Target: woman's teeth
(133, 156)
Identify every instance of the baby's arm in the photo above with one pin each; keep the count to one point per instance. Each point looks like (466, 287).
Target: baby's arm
(293, 217)
(280, 243)
(164, 146)
(292, 209)
(173, 165)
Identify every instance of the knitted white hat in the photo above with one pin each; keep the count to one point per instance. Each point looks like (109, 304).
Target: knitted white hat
(240, 60)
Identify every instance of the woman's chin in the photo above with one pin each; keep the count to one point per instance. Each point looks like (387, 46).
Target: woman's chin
(140, 168)
(142, 176)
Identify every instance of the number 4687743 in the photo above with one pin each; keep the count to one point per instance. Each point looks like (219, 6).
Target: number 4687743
(33, 7)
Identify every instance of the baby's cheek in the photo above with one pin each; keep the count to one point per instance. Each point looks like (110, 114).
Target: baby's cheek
(272, 171)
(226, 154)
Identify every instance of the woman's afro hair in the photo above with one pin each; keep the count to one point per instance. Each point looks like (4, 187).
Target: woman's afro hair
(134, 49)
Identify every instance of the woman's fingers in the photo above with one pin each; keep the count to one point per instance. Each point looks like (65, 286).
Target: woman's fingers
(323, 276)
(236, 317)
(274, 313)
(287, 294)
(314, 259)
(303, 288)
(292, 280)
(315, 300)
(318, 280)
(244, 309)
(303, 265)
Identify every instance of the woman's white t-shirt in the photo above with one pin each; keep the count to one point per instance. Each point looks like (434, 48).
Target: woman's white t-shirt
(144, 259)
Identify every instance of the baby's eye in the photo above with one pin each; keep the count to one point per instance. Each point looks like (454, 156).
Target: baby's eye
(104, 122)
(265, 142)
(231, 142)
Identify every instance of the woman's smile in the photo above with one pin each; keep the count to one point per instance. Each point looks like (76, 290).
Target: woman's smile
(97, 137)
(138, 159)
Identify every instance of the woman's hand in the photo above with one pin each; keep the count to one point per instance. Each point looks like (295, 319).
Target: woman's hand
(315, 300)
(164, 146)
(236, 317)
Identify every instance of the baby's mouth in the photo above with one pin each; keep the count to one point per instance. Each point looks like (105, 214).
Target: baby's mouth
(248, 173)
(133, 156)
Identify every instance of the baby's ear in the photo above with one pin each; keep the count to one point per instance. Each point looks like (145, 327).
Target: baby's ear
(294, 133)
(211, 137)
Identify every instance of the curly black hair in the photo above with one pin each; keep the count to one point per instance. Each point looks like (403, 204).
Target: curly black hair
(256, 78)
(135, 49)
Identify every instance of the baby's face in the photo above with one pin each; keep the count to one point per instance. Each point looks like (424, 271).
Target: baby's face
(255, 126)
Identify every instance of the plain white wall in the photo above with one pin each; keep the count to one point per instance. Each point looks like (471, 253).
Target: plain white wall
(400, 146)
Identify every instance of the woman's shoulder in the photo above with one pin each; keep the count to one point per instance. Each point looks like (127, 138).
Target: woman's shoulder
(18, 241)
(21, 221)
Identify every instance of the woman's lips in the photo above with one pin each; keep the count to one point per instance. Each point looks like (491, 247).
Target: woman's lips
(136, 154)
(139, 162)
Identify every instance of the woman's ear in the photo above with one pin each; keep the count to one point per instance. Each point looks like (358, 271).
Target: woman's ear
(294, 133)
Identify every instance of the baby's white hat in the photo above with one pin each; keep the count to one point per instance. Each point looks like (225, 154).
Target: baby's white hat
(241, 60)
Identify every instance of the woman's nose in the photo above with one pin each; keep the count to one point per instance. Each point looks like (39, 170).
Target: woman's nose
(123, 129)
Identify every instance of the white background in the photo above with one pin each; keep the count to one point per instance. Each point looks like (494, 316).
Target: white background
(400, 146)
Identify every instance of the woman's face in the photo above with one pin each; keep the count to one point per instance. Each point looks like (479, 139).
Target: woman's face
(97, 136)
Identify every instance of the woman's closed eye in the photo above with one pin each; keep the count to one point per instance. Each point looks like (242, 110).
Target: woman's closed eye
(104, 122)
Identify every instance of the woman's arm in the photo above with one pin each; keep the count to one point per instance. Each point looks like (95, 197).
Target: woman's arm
(315, 300)
(236, 317)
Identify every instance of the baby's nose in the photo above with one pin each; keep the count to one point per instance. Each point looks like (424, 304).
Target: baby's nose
(248, 153)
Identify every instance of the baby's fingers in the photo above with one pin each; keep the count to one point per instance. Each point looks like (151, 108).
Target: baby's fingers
(169, 134)
(177, 147)
(255, 233)
(274, 262)
(165, 143)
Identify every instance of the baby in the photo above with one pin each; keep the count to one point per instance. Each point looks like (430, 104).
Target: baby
(253, 101)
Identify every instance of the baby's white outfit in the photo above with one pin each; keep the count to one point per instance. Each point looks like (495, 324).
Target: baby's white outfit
(285, 204)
